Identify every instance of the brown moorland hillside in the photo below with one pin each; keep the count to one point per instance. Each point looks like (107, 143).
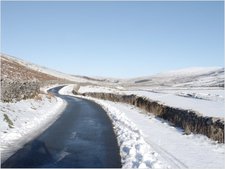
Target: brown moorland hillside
(13, 70)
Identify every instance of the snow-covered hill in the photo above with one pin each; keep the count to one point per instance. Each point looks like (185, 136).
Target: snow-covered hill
(207, 77)
(10, 62)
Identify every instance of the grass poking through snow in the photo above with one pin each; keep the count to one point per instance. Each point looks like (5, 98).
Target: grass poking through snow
(7, 119)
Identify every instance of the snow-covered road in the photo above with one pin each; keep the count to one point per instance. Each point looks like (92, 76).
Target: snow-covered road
(173, 146)
(22, 121)
(134, 151)
(81, 137)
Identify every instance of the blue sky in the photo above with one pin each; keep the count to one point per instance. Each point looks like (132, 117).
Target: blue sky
(115, 39)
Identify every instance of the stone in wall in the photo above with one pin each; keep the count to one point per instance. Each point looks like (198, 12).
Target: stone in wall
(15, 90)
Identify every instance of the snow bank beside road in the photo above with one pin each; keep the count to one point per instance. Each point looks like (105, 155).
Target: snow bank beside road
(23, 120)
(179, 149)
(67, 90)
(46, 88)
(134, 151)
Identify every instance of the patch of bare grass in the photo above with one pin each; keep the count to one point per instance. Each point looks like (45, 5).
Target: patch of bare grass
(7, 119)
(38, 97)
(50, 95)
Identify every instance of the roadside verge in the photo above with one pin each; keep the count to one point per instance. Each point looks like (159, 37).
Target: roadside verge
(22, 121)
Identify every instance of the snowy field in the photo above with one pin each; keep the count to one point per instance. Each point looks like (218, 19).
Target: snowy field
(146, 141)
(22, 121)
(206, 102)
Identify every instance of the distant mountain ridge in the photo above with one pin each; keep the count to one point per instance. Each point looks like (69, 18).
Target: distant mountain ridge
(190, 77)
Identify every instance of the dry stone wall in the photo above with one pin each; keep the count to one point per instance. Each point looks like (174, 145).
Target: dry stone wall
(15, 90)
(189, 120)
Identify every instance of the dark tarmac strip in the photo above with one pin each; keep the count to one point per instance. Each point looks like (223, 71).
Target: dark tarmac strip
(83, 136)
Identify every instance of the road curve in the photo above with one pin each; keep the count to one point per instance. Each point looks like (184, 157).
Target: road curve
(83, 136)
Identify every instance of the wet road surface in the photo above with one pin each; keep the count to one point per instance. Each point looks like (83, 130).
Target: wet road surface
(82, 137)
